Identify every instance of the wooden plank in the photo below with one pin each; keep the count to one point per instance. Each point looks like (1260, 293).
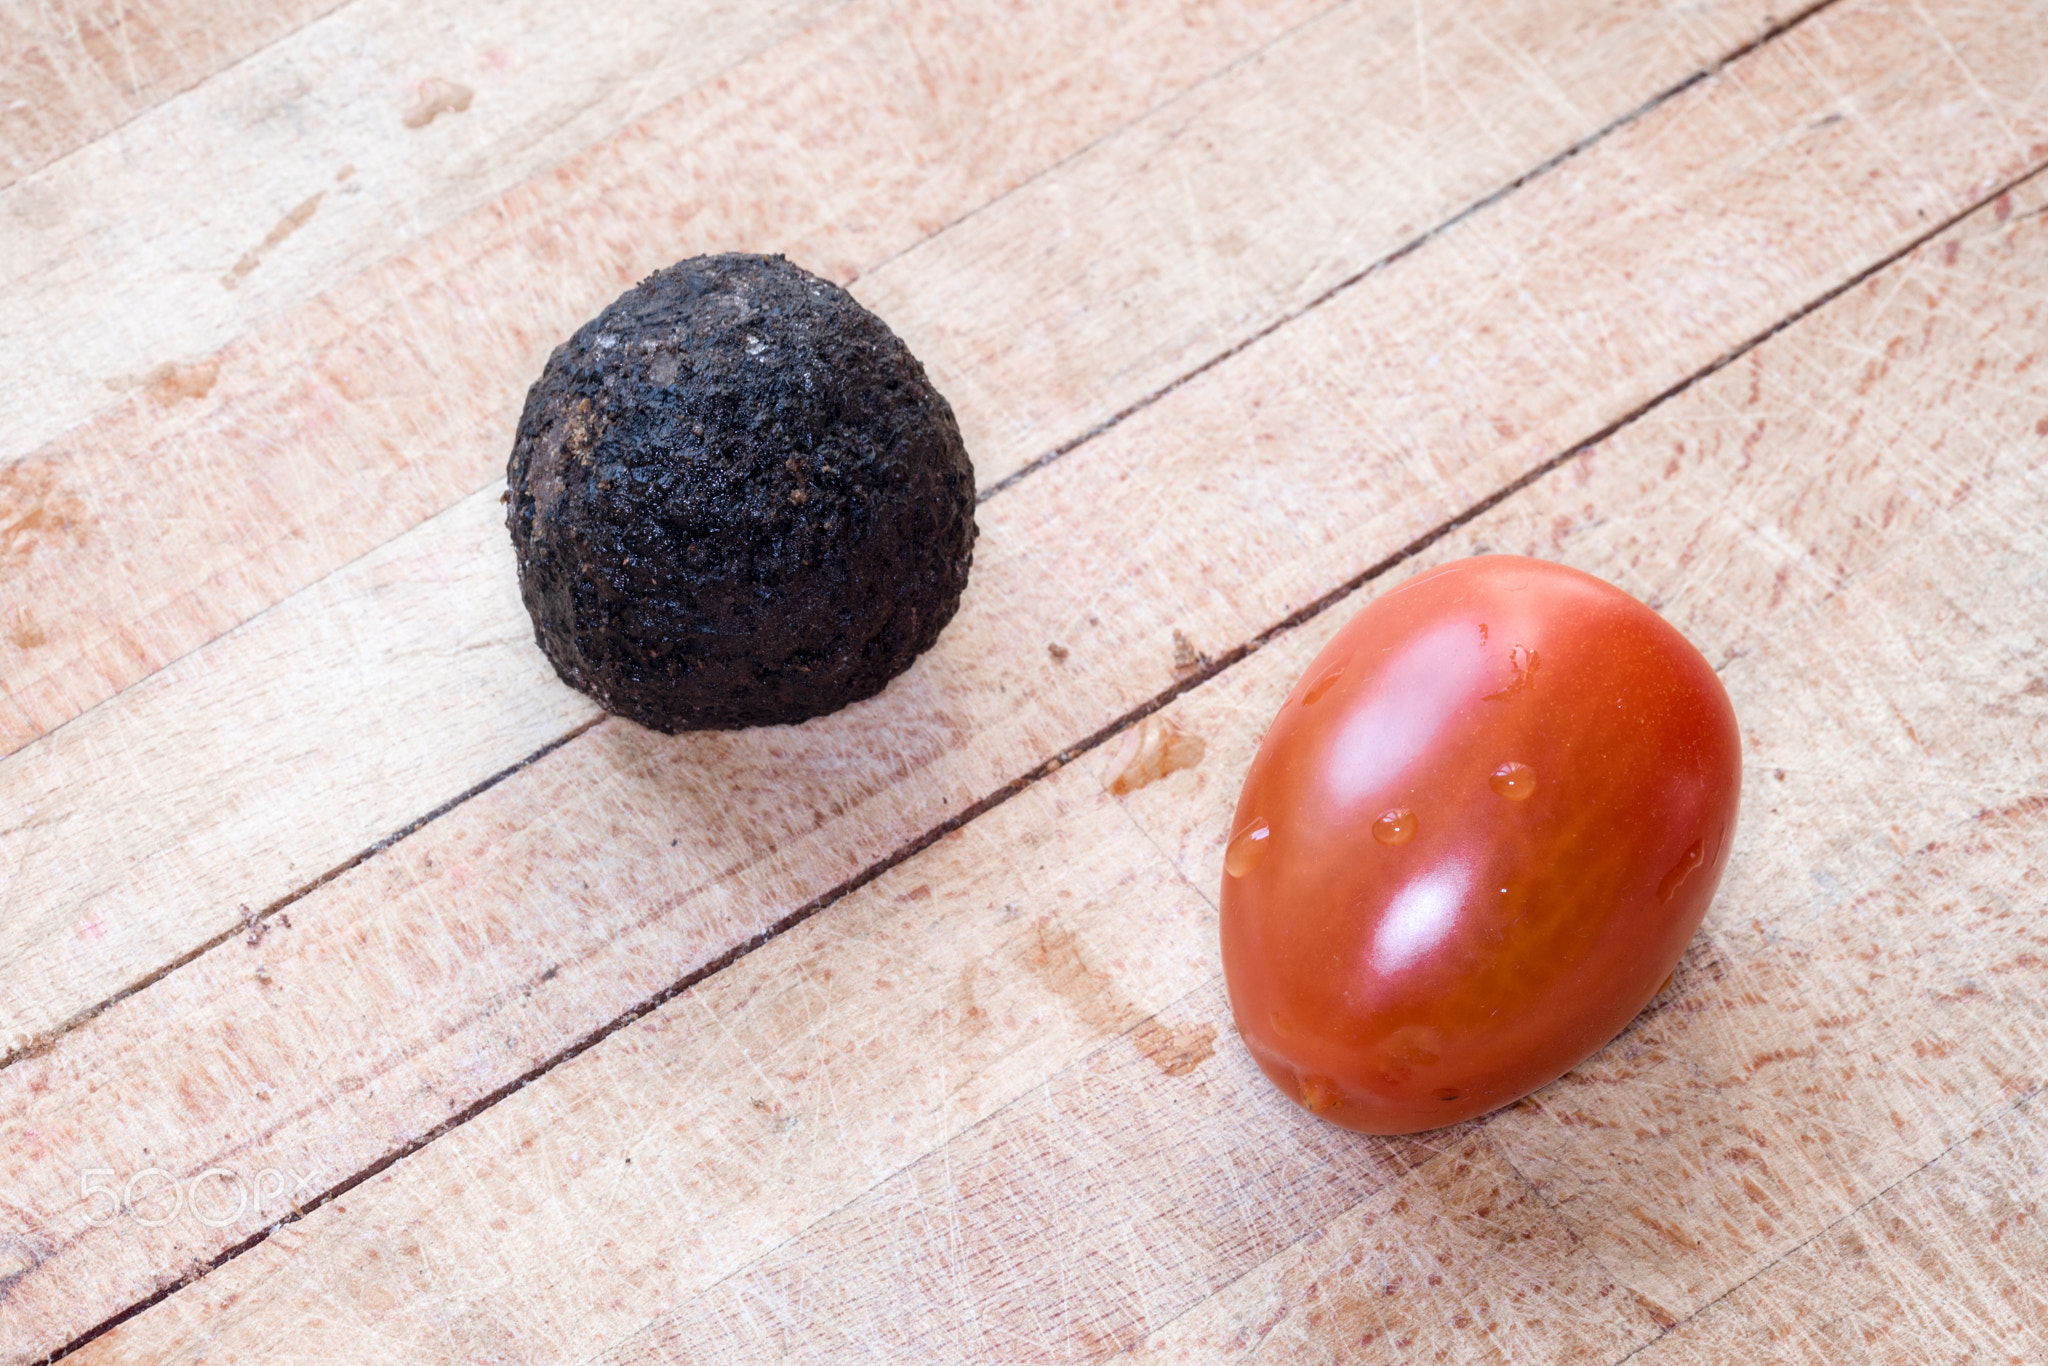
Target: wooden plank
(234, 738)
(75, 70)
(323, 153)
(1145, 1178)
(1719, 574)
(1260, 192)
(1976, 1050)
(1754, 1107)
(917, 1007)
(1351, 467)
(1459, 1263)
(1934, 1269)
(409, 379)
(183, 794)
(1119, 1198)
(1879, 902)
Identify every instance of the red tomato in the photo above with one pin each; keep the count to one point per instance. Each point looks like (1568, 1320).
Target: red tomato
(1474, 843)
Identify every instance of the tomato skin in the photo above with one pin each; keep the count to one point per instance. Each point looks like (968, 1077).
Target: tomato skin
(1494, 810)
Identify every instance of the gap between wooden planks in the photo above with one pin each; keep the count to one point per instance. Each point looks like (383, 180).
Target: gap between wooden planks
(658, 979)
(433, 744)
(405, 383)
(787, 1080)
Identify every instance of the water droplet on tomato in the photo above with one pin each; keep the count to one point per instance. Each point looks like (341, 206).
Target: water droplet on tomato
(1395, 827)
(1281, 1024)
(1247, 847)
(1322, 685)
(1516, 782)
(1691, 859)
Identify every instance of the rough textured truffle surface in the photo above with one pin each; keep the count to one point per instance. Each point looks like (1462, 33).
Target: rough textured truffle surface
(737, 501)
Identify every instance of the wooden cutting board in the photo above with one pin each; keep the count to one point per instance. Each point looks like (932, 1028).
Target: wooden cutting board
(366, 995)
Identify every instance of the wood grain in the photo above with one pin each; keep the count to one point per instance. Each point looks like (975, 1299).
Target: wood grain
(1120, 1197)
(1349, 468)
(1933, 1269)
(1461, 1262)
(240, 477)
(1259, 192)
(75, 71)
(321, 157)
(236, 739)
(1612, 511)
(190, 774)
(408, 380)
(1868, 986)
(1089, 1214)
(918, 1007)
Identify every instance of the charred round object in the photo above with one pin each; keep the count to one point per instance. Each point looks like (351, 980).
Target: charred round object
(737, 501)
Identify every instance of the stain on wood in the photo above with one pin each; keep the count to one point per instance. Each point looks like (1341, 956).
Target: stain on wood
(1176, 1052)
(172, 381)
(299, 216)
(1056, 959)
(438, 97)
(38, 515)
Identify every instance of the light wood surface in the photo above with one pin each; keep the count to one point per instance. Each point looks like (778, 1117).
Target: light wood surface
(1539, 391)
(333, 427)
(73, 73)
(411, 1010)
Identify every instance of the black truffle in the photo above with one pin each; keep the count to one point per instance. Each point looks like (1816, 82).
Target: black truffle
(736, 500)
